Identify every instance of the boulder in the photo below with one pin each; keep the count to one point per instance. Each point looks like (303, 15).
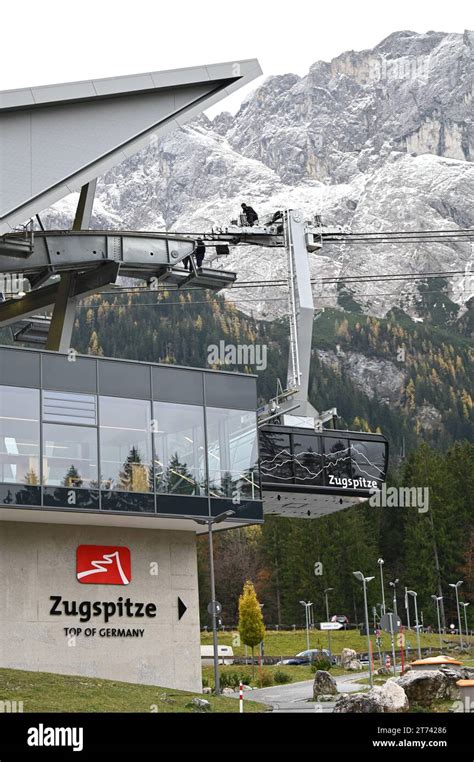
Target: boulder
(360, 703)
(324, 684)
(354, 665)
(347, 655)
(200, 705)
(227, 691)
(323, 697)
(392, 696)
(424, 687)
(381, 699)
(384, 671)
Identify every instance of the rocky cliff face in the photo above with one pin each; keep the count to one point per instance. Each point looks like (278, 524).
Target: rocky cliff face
(379, 139)
(412, 92)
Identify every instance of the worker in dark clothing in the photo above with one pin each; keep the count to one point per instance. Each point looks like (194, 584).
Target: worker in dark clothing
(200, 252)
(250, 215)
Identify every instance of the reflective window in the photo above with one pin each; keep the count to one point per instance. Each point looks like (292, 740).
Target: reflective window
(62, 407)
(19, 435)
(179, 448)
(368, 459)
(308, 460)
(275, 457)
(337, 460)
(69, 456)
(232, 452)
(125, 444)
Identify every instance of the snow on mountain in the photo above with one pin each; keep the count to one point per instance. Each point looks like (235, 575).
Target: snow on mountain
(373, 140)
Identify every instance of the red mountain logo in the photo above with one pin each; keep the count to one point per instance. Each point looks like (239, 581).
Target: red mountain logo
(103, 565)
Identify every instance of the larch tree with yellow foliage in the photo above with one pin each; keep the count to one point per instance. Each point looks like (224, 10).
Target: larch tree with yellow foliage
(251, 626)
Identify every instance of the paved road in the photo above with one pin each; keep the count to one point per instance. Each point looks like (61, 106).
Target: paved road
(298, 697)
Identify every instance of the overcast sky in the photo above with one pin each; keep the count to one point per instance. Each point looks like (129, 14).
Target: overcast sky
(46, 41)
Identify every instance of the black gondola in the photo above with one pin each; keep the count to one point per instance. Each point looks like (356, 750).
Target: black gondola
(307, 473)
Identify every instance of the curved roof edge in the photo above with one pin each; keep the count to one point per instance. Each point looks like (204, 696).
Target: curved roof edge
(55, 138)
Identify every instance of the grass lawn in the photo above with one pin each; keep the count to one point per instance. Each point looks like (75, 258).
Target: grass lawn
(286, 643)
(46, 692)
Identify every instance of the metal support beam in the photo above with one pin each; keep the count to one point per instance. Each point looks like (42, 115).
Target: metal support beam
(62, 323)
(14, 310)
(82, 219)
(301, 312)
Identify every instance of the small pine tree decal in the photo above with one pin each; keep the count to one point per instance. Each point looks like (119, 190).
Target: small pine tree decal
(72, 477)
(134, 475)
(251, 626)
(31, 478)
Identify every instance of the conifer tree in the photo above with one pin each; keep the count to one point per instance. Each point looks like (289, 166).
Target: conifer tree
(251, 626)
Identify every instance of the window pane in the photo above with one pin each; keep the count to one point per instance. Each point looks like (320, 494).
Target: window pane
(275, 457)
(69, 456)
(125, 444)
(62, 407)
(338, 460)
(179, 448)
(308, 459)
(368, 459)
(19, 435)
(232, 452)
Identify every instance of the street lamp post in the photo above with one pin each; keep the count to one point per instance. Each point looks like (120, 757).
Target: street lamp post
(394, 585)
(210, 523)
(407, 608)
(328, 590)
(438, 599)
(456, 586)
(414, 594)
(307, 606)
(465, 605)
(358, 575)
(381, 563)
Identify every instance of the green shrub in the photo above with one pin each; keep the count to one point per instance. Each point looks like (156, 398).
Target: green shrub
(228, 679)
(322, 662)
(245, 678)
(265, 679)
(281, 677)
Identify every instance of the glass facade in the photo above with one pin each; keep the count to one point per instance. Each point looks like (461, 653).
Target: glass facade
(84, 451)
(180, 449)
(125, 444)
(70, 456)
(232, 452)
(19, 436)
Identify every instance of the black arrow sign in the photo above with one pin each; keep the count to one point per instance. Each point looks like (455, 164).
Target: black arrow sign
(181, 608)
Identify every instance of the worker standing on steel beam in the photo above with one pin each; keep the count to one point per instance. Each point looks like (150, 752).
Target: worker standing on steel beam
(250, 215)
(199, 252)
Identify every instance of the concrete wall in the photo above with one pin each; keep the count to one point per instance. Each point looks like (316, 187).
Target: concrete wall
(39, 560)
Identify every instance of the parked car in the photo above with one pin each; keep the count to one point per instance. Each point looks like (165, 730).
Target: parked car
(307, 657)
(341, 618)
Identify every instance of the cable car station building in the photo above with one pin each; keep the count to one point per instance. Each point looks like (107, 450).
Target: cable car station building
(106, 464)
(107, 454)
(110, 468)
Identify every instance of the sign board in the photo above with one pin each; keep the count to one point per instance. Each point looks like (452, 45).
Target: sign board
(214, 608)
(330, 625)
(390, 623)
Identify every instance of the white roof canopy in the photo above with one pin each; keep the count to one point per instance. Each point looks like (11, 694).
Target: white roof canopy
(56, 138)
